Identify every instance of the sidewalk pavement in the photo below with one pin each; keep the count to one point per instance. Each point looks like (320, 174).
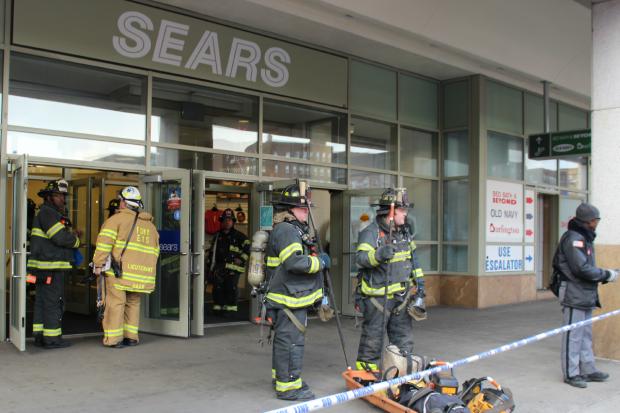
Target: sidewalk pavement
(226, 371)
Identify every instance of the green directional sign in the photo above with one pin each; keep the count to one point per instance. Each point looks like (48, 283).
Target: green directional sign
(560, 144)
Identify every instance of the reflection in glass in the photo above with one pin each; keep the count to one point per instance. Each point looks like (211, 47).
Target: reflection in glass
(175, 158)
(568, 206)
(279, 169)
(59, 147)
(66, 97)
(362, 215)
(198, 116)
(574, 173)
(543, 172)
(418, 152)
(455, 258)
(456, 210)
(373, 144)
(362, 180)
(304, 133)
(505, 156)
(456, 154)
(427, 257)
(423, 194)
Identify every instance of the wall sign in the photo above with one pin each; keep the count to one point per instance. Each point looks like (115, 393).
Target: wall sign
(528, 258)
(133, 34)
(504, 210)
(504, 258)
(529, 212)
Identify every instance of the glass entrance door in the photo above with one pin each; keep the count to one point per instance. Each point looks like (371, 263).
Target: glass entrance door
(167, 197)
(17, 316)
(198, 253)
(358, 214)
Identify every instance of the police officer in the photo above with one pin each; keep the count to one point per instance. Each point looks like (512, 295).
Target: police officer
(578, 294)
(226, 262)
(129, 239)
(386, 256)
(294, 283)
(52, 248)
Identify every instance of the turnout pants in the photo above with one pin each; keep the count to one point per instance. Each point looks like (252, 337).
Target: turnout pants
(225, 292)
(399, 331)
(288, 349)
(121, 317)
(49, 305)
(577, 356)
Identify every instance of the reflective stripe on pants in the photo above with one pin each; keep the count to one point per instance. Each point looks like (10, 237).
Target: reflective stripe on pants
(122, 314)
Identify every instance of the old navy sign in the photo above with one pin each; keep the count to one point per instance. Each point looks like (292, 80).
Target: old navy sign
(134, 34)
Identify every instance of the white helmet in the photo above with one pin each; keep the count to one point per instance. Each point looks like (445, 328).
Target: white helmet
(132, 197)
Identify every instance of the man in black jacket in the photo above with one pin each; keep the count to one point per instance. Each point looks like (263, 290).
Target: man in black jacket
(52, 247)
(574, 261)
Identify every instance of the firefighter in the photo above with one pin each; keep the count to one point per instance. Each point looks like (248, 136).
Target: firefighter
(126, 254)
(52, 247)
(113, 206)
(294, 283)
(388, 257)
(226, 261)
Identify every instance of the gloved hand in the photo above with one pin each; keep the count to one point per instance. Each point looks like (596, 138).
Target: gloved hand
(326, 262)
(384, 253)
(613, 276)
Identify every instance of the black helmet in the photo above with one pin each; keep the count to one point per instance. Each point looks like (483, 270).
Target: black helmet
(114, 204)
(55, 187)
(397, 196)
(228, 214)
(292, 196)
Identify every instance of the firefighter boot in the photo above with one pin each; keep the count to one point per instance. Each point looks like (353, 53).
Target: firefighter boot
(58, 343)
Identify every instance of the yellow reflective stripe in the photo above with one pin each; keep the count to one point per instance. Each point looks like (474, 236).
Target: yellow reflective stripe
(244, 256)
(273, 373)
(116, 332)
(392, 288)
(130, 328)
(246, 242)
(37, 328)
(138, 277)
(48, 265)
(38, 232)
(363, 365)
(47, 332)
(412, 246)
(371, 253)
(108, 233)
(234, 267)
(294, 302)
(418, 273)
(54, 229)
(315, 264)
(283, 386)
(104, 247)
(401, 256)
(365, 247)
(234, 249)
(77, 243)
(134, 288)
(134, 246)
(273, 261)
(288, 251)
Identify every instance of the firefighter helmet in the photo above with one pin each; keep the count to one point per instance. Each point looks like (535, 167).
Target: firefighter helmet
(293, 196)
(59, 186)
(114, 204)
(228, 214)
(131, 196)
(397, 196)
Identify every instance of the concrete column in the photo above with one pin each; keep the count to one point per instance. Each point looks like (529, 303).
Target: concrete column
(606, 162)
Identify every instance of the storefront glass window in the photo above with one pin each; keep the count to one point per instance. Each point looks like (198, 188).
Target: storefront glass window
(456, 210)
(534, 116)
(373, 144)
(568, 205)
(49, 94)
(574, 173)
(456, 105)
(456, 154)
(279, 169)
(373, 90)
(504, 108)
(417, 101)
(543, 172)
(363, 180)
(197, 116)
(505, 156)
(418, 152)
(304, 133)
(427, 256)
(571, 118)
(455, 258)
(423, 194)
(175, 158)
(88, 150)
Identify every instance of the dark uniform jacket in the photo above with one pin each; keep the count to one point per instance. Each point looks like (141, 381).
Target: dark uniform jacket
(403, 269)
(574, 260)
(293, 274)
(228, 247)
(51, 242)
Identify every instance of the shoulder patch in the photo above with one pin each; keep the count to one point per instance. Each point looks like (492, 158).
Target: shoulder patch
(578, 244)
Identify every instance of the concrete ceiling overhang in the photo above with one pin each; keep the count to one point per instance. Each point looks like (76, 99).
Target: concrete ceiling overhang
(522, 42)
